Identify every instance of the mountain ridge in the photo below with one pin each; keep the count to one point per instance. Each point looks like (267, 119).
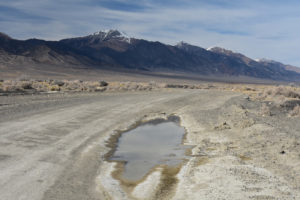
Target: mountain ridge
(113, 49)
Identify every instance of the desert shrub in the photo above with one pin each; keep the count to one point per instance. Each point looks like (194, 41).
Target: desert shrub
(295, 111)
(90, 86)
(59, 83)
(280, 93)
(292, 94)
(177, 86)
(73, 85)
(249, 89)
(40, 86)
(132, 86)
(279, 100)
(77, 85)
(100, 89)
(54, 88)
(286, 92)
(26, 85)
(103, 83)
(265, 110)
(12, 88)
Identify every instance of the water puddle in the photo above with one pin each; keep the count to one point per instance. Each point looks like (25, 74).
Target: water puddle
(158, 142)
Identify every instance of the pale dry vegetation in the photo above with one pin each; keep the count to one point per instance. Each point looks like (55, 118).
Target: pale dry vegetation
(281, 91)
(284, 97)
(265, 110)
(25, 85)
(287, 97)
(31, 86)
(295, 112)
(134, 86)
(39, 86)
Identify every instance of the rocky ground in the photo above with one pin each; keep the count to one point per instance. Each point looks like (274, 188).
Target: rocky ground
(54, 146)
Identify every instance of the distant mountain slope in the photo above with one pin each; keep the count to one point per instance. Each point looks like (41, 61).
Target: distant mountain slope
(275, 63)
(113, 49)
(292, 68)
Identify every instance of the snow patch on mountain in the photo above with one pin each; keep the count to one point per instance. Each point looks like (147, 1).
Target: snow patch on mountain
(210, 48)
(265, 60)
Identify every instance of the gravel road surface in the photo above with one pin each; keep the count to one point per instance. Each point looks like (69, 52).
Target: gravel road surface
(53, 146)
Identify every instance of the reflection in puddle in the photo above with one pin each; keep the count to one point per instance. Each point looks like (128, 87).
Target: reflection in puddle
(154, 143)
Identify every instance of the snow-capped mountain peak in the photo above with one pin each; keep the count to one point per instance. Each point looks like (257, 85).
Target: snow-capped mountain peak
(112, 34)
(220, 50)
(182, 44)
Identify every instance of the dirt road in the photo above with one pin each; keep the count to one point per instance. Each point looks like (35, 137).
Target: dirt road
(53, 147)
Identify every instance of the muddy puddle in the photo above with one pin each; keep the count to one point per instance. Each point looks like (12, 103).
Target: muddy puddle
(157, 142)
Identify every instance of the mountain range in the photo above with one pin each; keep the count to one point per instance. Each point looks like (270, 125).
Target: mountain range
(114, 50)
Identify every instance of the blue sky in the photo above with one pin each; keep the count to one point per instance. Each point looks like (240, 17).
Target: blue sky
(257, 28)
